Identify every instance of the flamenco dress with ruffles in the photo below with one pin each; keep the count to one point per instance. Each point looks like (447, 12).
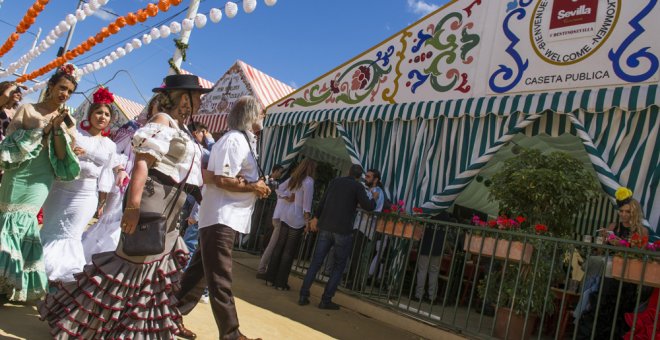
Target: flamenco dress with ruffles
(119, 296)
(29, 170)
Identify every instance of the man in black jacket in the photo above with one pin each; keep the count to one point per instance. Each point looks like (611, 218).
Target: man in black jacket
(334, 217)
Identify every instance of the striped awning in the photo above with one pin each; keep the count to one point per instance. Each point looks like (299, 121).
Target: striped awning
(266, 88)
(631, 98)
(130, 108)
(215, 123)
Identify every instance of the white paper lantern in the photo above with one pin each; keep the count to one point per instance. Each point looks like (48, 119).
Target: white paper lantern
(146, 39)
(175, 27)
(108, 60)
(94, 4)
(102, 2)
(97, 65)
(249, 5)
(71, 19)
(270, 2)
(87, 10)
(56, 31)
(155, 33)
(187, 25)
(164, 31)
(50, 41)
(215, 15)
(136, 43)
(231, 9)
(80, 15)
(200, 20)
(114, 55)
(63, 26)
(79, 73)
(121, 52)
(128, 47)
(88, 68)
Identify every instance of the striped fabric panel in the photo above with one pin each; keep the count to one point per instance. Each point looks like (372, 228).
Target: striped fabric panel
(130, 108)
(429, 152)
(632, 98)
(267, 89)
(596, 214)
(214, 122)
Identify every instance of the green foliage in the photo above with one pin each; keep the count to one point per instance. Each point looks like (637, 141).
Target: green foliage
(545, 188)
(526, 287)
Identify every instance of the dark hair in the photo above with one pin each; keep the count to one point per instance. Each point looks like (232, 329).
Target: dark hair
(355, 171)
(377, 175)
(7, 84)
(95, 106)
(55, 78)
(276, 167)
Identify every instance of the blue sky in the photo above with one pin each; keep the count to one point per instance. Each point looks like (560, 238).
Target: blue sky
(294, 41)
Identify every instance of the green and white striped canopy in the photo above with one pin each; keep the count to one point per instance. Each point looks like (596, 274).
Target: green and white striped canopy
(428, 152)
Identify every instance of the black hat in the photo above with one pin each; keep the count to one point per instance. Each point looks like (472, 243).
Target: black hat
(181, 82)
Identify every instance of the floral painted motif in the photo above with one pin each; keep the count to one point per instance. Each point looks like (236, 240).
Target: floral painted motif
(356, 83)
(448, 42)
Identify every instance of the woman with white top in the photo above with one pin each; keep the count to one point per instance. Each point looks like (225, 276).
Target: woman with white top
(122, 296)
(301, 185)
(104, 234)
(71, 205)
(281, 206)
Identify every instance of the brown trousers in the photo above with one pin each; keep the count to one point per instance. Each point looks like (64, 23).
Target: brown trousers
(213, 258)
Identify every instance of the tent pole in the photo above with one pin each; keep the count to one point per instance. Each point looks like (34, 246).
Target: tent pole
(185, 35)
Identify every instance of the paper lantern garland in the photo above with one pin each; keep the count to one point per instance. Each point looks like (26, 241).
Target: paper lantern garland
(28, 19)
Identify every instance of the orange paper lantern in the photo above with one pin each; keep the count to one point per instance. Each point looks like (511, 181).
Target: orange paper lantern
(68, 55)
(38, 7)
(152, 10)
(164, 5)
(175, 2)
(105, 32)
(99, 38)
(113, 28)
(28, 21)
(43, 2)
(142, 15)
(120, 22)
(131, 19)
(21, 28)
(14, 37)
(91, 41)
(32, 12)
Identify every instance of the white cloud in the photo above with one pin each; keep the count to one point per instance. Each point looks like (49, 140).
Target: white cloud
(103, 15)
(421, 7)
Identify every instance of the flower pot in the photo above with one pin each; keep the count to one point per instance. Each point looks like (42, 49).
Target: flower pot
(399, 228)
(633, 271)
(514, 326)
(516, 251)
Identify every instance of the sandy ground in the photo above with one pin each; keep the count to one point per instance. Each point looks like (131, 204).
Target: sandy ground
(264, 312)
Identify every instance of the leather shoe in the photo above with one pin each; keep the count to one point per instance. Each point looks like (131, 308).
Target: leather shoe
(328, 305)
(303, 301)
(243, 337)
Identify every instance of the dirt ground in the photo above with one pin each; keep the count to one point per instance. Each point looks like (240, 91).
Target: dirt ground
(263, 312)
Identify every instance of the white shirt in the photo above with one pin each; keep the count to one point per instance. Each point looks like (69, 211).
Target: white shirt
(230, 157)
(295, 216)
(99, 159)
(282, 204)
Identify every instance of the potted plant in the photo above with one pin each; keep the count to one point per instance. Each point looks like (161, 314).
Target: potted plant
(396, 222)
(500, 248)
(638, 267)
(546, 190)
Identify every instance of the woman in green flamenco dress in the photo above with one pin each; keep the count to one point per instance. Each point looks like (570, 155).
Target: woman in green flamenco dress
(35, 151)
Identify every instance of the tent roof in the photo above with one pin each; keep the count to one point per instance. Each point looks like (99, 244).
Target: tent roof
(130, 108)
(207, 84)
(266, 88)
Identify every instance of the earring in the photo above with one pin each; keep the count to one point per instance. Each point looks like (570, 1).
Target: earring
(106, 132)
(85, 125)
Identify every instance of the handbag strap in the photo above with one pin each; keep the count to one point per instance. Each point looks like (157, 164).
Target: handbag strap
(179, 187)
(256, 160)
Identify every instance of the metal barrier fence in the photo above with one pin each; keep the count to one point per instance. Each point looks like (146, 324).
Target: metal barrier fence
(484, 282)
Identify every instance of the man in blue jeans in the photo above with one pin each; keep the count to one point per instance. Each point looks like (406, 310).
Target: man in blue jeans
(334, 217)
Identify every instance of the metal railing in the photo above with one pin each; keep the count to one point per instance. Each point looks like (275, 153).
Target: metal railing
(493, 283)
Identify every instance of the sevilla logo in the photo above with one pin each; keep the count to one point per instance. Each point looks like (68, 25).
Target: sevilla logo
(566, 13)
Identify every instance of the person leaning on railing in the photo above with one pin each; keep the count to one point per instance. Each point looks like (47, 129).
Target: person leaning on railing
(616, 298)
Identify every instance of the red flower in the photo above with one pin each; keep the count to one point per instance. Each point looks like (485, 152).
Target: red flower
(520, 219)
(103, 96)
(387, 211)
(541, 228)
(417, 210)
(492, 223)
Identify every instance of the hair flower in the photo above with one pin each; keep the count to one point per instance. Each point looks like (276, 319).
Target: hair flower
(103, 96)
